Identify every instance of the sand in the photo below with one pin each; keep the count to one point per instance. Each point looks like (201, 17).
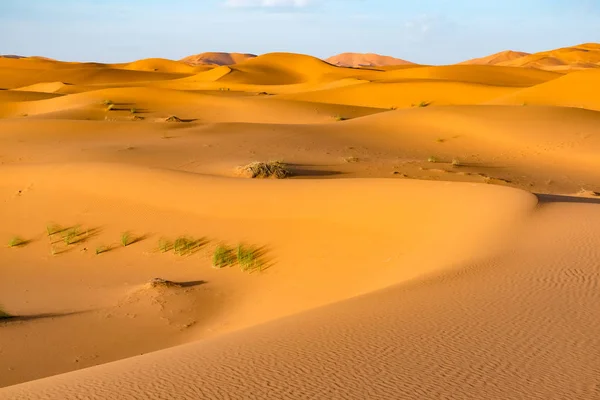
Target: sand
(437, 236)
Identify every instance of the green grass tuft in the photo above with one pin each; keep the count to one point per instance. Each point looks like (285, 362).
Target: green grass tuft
(53, 229)
(248, 259)
(125, 239)
(71, 236)
(164, 245)
(184, 245)
(102, 249)
(223, 257)
(16, 241)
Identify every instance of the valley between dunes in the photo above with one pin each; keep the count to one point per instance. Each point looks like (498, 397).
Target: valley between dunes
(439, 235)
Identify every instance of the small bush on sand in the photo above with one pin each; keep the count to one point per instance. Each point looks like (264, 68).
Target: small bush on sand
(53, 229)
(423, 104)
(164, 245)
(174, 118)
(223, 257)
(102, 249)
(432, 159)
(271, 169)
(340, 118)
(133, 111)
(110, 107)
(456, 162)
(71, 236)
(16, 241)
(125, 239)
(107, 102)
(247, 258)
(184, 245)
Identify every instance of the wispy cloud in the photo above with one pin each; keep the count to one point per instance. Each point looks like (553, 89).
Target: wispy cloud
(268, 3)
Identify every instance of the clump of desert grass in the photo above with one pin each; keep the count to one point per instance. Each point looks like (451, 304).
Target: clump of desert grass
(185, 245)
(270, 169)
(351, 160)
(107, 102)
(248, 258)
(16, 241)
(126, 239)
(456, 162)
(164, 245)
(223, 257)
(432, 159)
(102, 249)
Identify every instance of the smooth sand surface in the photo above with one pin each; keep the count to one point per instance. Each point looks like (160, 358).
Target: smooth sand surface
(438, 236)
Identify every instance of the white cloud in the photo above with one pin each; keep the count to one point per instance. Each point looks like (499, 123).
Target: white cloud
(268, 3)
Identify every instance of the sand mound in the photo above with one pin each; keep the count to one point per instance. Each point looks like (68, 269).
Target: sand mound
(284, 69)
(497, 58)
(572, 90)
(365, 60)
(217, 58)
(563, 59)
(157, 65)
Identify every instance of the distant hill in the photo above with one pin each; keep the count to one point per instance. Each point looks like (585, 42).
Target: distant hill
(583, 56)
(365, 60)
(217, 58)
(495, 59)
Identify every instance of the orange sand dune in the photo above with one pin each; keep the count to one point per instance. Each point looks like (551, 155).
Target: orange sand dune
(365, 60)
(435, 236)
(565, 59)
(216, 58)
(158, 65)
(576, 89)
(497, 58)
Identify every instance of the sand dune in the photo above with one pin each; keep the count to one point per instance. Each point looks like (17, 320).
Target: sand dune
(497, 58)
(217, 58)
(565, 59)
(435, 237)
(573, 90)
(365, 60)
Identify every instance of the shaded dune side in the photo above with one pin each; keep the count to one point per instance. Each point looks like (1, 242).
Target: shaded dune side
(519, 325)
(577, 89)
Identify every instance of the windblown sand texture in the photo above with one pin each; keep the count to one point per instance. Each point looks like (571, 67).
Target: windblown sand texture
(436, 233)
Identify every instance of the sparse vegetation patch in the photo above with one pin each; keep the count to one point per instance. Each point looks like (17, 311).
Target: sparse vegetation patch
(16, 241)
(271, 169)
(223, 257)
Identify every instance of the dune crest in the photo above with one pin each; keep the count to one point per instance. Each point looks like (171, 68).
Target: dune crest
(365, 60)
(217, 58)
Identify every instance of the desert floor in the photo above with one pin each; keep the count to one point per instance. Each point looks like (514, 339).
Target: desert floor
(439, 236)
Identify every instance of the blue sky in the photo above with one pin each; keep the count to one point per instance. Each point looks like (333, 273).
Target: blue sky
(424, 31)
